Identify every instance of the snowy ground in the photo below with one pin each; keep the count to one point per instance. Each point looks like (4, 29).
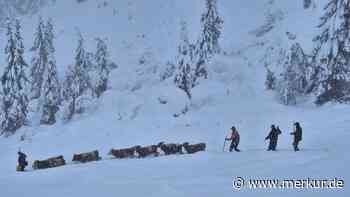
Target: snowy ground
(130, 114)
(204, 174)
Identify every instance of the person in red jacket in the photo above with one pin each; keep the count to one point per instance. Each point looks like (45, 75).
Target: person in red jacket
(234, 137)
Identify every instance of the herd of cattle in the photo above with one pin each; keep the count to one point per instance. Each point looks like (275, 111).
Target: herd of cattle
(133, 152)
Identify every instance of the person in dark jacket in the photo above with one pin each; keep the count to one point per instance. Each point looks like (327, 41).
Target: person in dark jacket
(234, 137)
(273, 137)
(297, 135)
(22, 163)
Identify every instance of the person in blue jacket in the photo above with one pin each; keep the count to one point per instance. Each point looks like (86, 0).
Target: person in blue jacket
(22, 162)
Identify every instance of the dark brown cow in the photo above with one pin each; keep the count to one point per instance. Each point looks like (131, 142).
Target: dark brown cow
(123, 153)
(86, 157)
(49, 163)
(147, 151)
(171, 148)
(193, 148)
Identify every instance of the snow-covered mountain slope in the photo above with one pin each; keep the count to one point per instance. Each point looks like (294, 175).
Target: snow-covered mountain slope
(130, 113)
(15, 8)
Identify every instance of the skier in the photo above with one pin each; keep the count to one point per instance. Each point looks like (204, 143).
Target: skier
(297, 135)
(273, 137)
(234, 137)
(22, 163)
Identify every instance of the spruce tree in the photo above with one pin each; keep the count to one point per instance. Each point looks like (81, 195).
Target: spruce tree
(184, 77)
(332, 51)
(81, 55)
(208, 43)
(39, 61)
(101, 58)
(270, 82)
(77, 81)
(211, 24)
(51, 86)
(294, 78)
(14, 82)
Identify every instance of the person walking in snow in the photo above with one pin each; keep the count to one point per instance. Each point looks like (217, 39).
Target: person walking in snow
(297, 135)
(273, 137)
(234, 137)
(22, 163)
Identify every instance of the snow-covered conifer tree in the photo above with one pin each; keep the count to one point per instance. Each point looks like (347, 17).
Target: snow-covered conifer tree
(184, 79)
(294, 78)
(332, 51)
(51, 90)
(14, 82)
(208, 43)
(185, 76)
(39, 61)
(77, 81)
(211, 24)
(270, 82)
(101, 58)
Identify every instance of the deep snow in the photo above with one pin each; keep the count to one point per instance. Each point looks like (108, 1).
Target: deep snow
(130, 113)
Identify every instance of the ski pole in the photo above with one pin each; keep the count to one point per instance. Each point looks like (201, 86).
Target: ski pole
(223, 148)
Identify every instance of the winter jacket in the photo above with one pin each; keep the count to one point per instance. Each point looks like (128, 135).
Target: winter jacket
(273, 135)
(234, 136)
(22, 159)
(297, 134)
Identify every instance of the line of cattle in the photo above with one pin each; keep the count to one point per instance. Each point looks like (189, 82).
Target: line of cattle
(133, 152)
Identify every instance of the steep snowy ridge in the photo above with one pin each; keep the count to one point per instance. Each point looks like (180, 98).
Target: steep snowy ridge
(130, 112)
